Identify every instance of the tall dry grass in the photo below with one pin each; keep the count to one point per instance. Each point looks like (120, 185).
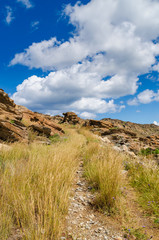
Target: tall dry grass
(144, 176)
(104, 171)
(35, 183)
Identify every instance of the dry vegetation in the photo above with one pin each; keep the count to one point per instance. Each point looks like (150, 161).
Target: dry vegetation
(35, 182)
(104, 171)
(35, 185)
(144, 176)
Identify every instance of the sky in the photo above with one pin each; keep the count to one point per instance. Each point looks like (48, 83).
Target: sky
(98, 58)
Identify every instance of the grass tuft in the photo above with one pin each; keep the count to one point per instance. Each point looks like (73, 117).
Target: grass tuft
(104, 171)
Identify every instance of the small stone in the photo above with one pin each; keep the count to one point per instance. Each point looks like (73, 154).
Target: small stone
(105, 238)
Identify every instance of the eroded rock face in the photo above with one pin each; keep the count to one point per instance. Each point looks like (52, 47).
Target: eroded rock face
(39, 120)
(57, 119)
(126, 135)
(11, 127)
(71, 118)
(17, 121)
(8, 109)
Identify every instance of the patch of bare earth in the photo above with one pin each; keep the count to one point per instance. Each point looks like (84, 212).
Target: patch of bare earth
(137, 217)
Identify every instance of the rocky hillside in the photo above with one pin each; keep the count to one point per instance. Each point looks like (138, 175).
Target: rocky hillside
(126, 136)
(17, 122)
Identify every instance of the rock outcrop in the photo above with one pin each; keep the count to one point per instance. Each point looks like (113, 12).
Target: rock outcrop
(16, 121)
(126, 135)
(39, 121)
(71, 118)
(11, 127)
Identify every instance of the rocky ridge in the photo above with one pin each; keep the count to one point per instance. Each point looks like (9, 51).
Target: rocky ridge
(17, 121)
(124, 136)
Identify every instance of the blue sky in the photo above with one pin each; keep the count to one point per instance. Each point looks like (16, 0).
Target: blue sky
(98, 58)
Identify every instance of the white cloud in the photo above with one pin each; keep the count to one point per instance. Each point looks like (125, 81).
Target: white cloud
(9, 17)
(87, 115)
(26, 3)
(156, 123)
(133, 102)
(112, 38)
(35, 25)
(145, 97)
(94, 105)
(72, 89)
(102, 26)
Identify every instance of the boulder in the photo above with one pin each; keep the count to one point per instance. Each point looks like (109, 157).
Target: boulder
(40, 130)
(71, 118)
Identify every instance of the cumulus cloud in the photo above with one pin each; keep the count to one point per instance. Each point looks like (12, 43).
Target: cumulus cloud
(72, 89)
(9, 16)
(87, 115)
(102, 26)
(145, 97)
(26, 3)
(156, 123)
(111, 46)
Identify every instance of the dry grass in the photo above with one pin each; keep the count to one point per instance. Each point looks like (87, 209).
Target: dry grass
(144, 176)
(35, 185)
(104, 171)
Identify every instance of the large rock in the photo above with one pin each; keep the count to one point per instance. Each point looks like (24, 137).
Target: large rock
(11, 127)
(8, 109)
(71, 118)
(40, 130)
(98, 124)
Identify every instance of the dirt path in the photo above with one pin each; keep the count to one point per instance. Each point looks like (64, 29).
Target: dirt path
(83, 222)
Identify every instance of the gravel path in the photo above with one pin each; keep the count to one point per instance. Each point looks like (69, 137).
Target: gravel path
(83, 222)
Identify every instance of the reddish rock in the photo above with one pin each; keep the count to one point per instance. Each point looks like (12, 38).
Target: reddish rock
(57, 119)
(15, 121)
(71, 118)
(40, 120)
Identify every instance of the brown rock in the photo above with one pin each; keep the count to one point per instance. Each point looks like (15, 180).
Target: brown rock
(40, 130)
(15, 121)
(71, 118)
(41, 120)
(57, 119)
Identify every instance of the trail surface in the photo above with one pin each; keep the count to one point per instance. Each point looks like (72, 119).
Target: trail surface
(83, 222)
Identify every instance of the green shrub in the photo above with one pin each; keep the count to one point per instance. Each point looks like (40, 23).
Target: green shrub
(148, 151)
(55, 138)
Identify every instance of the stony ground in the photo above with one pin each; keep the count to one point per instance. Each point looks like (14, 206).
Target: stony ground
(83, 222)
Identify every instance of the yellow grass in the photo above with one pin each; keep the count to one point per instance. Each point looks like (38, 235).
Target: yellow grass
(104, 171)
(35, 183)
